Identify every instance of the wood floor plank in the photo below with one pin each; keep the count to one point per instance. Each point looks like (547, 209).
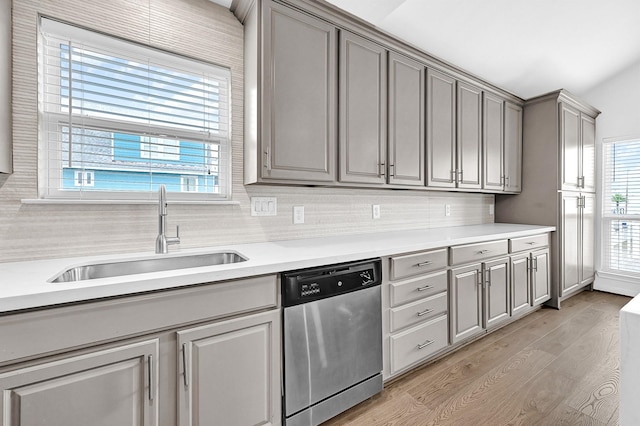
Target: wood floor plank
(556, 367)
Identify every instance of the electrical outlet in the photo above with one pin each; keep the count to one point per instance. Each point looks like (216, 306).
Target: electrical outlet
(298, 214)
(447, 209)
(491, 209)
(375, 211)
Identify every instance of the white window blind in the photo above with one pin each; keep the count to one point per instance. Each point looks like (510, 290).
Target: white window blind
(621, 207)
(132, 116)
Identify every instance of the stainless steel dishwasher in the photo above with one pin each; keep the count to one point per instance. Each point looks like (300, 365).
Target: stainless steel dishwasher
(332, 337)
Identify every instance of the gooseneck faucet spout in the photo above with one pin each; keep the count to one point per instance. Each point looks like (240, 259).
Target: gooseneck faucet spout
(162, 241)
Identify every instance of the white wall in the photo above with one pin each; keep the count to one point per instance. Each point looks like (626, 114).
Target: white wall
(200, 29)
(619, 100)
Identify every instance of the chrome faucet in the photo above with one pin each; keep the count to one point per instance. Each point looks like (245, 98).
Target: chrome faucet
(162, 241)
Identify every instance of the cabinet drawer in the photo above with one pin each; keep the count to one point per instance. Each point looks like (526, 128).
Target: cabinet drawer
(528, 243)
(418, 311)
(480, 251)
(418, 343)
(418, 288)
(418, 263)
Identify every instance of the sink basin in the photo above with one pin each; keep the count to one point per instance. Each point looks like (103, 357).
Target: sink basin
(156, 264)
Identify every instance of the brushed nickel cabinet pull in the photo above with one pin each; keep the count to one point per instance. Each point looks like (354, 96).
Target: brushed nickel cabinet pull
(426, 287)
(532, 243)
(425, 344)
(392, 170)
(484, 251)
(425, 263)
(425, 312)
(267, 154)
(381, 169)
(184, 365)
(150, 374)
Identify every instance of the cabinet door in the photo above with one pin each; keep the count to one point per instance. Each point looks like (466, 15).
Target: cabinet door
(587, 242)
(569, 147)
(588, 133)
(115, 386)
(520, 283)
(497, 291)
(569, 238)
(299, 99)
(512, 147)
(230, 372)
(493, 142)
(441, 130)
(469, 136)
(466, 302)
(540, 276)
(363, 110)
(406, 121)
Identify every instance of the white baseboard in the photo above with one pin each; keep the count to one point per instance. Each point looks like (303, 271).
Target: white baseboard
(626, 286)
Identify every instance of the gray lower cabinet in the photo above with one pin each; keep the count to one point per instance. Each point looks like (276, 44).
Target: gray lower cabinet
(228, 371)
(123, 361)
(540, 276)
(406, 121)
(291, 134)
(497, 292)
(115, 386)
(363, 110)
(466, 302)
(521, 292)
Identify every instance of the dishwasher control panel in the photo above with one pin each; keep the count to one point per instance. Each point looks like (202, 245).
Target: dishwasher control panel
(307, 285)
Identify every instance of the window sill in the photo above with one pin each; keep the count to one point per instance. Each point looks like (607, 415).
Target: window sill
(120, 202)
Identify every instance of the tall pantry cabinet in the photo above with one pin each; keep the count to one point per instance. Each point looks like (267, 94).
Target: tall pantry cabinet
(558, 186)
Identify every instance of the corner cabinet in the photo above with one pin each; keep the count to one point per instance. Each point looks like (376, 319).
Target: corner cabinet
(290, 96)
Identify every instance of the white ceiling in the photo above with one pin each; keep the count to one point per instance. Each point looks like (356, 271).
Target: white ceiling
(528, 47)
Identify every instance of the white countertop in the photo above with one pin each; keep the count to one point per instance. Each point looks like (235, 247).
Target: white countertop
(24, 285)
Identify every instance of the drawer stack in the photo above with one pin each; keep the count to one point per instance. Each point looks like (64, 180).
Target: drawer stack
(418, 300)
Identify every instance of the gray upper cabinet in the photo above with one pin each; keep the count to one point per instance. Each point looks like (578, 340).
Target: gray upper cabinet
(296, 136)
(469, 136)
(331, 101)
(512, 164)
(570, 147)
(363, 110)
(116, 386)
(441, 130)
(494, 176)
(406, 121)
(588, 163)
(577, 134)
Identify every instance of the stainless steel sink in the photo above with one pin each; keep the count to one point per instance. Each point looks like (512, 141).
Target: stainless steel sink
(156, 264)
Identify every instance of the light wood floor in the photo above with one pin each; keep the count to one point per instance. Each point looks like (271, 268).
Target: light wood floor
(549, 368)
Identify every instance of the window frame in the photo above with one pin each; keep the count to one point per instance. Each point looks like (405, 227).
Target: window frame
(50, 161)
(607, 218)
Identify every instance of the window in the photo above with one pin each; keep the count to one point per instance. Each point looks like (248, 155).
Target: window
(621, 207)
(118, 119)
